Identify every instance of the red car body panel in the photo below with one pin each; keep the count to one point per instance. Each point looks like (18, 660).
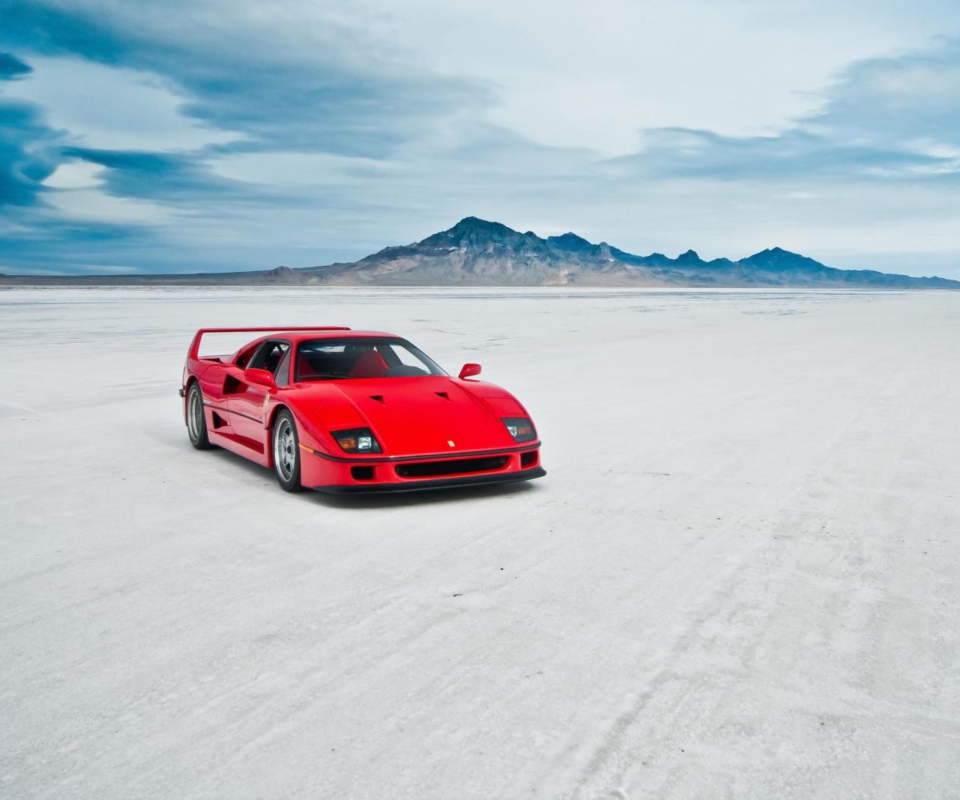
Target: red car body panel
(433, 430)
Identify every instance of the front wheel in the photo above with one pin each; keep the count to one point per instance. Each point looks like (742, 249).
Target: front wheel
(286, 452)
(196, 421)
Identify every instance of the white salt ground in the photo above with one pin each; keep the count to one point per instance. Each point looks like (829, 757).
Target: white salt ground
(740, 579)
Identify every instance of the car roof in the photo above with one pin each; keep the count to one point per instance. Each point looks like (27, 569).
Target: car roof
(299, 336)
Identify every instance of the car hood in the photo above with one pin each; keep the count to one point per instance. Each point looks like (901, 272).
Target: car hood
(423, 415)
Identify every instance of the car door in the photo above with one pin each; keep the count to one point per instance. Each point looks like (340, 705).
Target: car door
(246, 401)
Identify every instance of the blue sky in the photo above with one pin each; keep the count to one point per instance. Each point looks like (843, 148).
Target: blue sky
(227, 134)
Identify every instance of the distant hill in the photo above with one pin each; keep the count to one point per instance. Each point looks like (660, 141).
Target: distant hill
(475, 252)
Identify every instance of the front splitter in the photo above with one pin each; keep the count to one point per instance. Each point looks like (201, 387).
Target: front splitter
(434, 483)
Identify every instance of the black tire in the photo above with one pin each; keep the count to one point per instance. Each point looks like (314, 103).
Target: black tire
(286, 452)
(196, 419)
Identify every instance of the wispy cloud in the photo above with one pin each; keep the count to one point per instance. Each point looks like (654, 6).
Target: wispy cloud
(12, 68)
(883, 119)
(327, 91)
(167, 177)
(28, 154)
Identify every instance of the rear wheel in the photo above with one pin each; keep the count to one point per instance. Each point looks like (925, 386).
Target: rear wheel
(196, 421)
(286, 452)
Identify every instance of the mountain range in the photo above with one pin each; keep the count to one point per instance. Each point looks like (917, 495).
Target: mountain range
(475, 252)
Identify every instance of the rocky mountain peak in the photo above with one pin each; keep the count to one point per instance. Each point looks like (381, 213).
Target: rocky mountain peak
(776, 258)
(470, 233)
(475, 228)
(690, 257)
(570, 243)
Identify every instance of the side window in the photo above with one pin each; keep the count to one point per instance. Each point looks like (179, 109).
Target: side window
(244, 358)
(282, 374)
(269, 355)
(256, 360)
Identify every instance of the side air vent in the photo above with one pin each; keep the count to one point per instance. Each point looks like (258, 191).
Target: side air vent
(232, 386)
(444, 395)
(377, 397)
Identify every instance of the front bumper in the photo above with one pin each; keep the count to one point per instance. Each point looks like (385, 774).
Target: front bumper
(436, 483)
(347, 474)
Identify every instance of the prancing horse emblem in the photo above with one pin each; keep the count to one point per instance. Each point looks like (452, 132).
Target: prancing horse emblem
(451, 443)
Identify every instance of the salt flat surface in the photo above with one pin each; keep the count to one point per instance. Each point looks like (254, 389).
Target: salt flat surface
(741, 577)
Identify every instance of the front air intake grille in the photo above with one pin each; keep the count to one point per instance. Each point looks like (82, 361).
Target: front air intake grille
(361, 473)
(454, 466)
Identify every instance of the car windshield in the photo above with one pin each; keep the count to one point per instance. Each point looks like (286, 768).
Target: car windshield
(361, 357)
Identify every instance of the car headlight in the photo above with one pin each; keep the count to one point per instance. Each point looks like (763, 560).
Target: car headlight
(357, 440)
(521, 429)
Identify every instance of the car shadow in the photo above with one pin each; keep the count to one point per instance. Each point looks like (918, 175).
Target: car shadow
(236, 460)
(375, 500)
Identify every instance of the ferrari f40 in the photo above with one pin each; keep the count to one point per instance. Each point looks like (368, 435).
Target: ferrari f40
(339, 410)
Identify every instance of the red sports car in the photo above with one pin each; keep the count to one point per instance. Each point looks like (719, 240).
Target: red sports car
(350, 411)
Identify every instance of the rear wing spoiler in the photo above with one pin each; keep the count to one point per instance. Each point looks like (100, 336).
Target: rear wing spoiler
(194, 351)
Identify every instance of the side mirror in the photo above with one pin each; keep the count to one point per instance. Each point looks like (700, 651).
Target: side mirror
(469, 370)
(260, 377)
